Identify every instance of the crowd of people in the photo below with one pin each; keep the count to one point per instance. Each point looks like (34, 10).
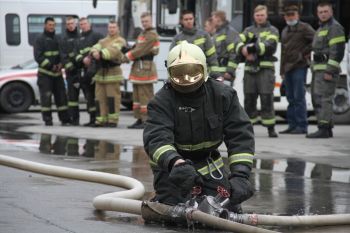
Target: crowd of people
(92, 64)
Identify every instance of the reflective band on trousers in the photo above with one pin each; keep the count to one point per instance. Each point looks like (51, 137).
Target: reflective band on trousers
(212, 167)
(271, 121)
(241, 157)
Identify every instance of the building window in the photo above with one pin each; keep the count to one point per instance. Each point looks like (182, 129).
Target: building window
(36, 25)
(99, 23)
(13, 32)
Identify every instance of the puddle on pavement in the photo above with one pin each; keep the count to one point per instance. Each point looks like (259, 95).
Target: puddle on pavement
(283, 187)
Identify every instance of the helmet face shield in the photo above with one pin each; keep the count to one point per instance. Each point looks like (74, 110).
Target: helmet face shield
(186, 67)
(186, 74)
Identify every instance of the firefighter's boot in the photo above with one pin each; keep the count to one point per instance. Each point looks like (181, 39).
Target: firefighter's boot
(271, 131)
(322, 132)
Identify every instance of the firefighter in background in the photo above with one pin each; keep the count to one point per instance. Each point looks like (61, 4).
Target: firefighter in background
(328, 46)
(225, 38)
(87, 39)
(198, 37)
(257, 45)
(107, 54)
(68, 52)
(188, 119)
(209, 26)
(50, 80)
(143, 71)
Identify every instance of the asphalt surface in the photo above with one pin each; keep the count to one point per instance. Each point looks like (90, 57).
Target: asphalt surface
(293, 176)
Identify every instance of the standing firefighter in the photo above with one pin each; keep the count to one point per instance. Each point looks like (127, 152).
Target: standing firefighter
(198, 37)
(50, 80)
(69, 49)
(87, 39)
(328, 47)
(107, 54)
(143, 71)
(257, 45)
(188, 120)
(225, 38)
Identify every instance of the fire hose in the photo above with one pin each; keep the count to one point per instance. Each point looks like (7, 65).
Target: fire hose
(127, 201)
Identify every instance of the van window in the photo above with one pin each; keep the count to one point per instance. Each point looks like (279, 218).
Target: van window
(36, 25)
(99, 23)
(13, 32)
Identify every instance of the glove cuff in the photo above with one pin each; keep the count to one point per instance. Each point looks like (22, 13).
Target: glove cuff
(172, 162)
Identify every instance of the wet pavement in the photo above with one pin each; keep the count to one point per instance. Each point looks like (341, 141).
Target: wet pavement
(35, 203)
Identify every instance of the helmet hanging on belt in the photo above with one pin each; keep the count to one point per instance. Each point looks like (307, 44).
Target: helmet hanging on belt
(187, 68)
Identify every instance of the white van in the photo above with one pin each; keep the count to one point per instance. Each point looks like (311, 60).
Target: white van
(22, 20)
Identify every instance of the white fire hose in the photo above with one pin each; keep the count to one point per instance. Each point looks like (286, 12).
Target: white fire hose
(126, 201)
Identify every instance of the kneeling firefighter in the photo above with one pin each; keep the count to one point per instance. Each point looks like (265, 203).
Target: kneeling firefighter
(188, 120)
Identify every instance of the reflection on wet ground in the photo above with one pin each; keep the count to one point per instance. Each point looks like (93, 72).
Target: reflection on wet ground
(283, 187)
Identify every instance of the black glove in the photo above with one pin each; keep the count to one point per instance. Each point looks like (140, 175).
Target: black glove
(184, 176)
(251, 48)
(124, 49)
(241, 188)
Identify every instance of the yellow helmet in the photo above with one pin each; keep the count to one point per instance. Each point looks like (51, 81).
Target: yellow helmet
(187, 67)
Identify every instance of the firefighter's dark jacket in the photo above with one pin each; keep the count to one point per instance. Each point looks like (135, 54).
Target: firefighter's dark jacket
(46, 54)
(191, 126)
(68, 49)
(86, 41)
(264, 39)
(329, 47)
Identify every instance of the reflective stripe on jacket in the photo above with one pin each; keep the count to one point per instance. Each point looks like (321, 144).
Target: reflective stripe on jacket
(143, 69)
(264, 38)
(195, 125)
(109, 48)
(225, 39)
(329, 42)
(47, 54)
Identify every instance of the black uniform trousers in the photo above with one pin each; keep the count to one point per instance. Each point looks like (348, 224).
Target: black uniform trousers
(88, 87)
(49, 86)
(73, 86)
(169, 193)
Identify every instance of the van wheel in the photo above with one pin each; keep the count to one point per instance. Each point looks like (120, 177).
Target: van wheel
(15, 97)
(341, 106)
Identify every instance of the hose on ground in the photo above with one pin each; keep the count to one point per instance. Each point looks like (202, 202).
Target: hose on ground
(126, 200)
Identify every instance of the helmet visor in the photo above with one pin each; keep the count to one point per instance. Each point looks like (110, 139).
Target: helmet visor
(186, 74)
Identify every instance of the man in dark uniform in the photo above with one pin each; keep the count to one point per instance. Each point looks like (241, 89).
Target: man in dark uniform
(50, 80)
(68, 52)
(196, 36)
(188, 119)
(88, 38)
(328, 46)
(225, 39)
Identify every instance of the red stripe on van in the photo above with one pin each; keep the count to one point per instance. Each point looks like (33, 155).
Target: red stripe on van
(22, 75)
